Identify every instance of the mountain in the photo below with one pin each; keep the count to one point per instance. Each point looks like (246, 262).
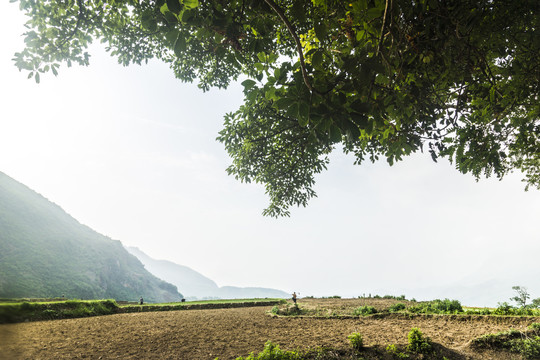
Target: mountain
(44, 252)
(195, 285)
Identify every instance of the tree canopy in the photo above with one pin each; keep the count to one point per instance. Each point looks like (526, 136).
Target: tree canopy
(384, 78)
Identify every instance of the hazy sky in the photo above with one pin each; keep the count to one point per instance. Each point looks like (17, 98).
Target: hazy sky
(131, 152)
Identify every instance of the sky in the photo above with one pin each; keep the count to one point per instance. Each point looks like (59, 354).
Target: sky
(131, 152)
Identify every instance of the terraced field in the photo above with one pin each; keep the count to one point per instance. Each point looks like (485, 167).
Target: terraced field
(228, 333)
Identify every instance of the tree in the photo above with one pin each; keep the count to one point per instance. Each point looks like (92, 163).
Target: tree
(522, 295)
(383, 78)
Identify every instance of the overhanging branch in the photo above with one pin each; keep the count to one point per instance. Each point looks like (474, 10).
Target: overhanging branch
(289, 26)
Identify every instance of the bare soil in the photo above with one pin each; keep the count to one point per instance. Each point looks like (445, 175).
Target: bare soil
(228, 333)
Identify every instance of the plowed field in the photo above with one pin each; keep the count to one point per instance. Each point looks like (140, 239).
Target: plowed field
(228, 333)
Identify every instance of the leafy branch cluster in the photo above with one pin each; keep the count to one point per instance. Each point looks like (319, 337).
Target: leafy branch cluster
(383, 78)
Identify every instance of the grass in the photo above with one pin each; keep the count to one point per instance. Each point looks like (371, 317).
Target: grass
(220, 301)
(16, 311)
(33, 311)
(406, 308)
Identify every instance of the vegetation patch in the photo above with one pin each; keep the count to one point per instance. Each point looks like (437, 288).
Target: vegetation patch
(418, 343)
(356, 340)
(445, 306)
(526, 343)
(365, 310)
(33, 311)
(12, 312)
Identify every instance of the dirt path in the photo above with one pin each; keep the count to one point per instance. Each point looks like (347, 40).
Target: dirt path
(225, 333)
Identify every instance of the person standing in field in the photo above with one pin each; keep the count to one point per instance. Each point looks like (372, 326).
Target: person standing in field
(294, 297)
(141, 301)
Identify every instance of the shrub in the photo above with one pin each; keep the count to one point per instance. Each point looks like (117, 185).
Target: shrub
(392, 350)
(418, 343)
(275, 310)
(397, 307)
(534, 326)
(513, 341)
(445, 306)
(505, 309)
(529, 348)
(356, 340)
(364, 311)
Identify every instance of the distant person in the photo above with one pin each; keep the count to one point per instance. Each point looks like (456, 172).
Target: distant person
(141, 301)
(294, 297)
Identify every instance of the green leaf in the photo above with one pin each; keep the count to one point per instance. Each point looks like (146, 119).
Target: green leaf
(283, 103)
(317, 59)
(320, 31)
(179, 45)
(270, 93)
(293, 110)
(303, 114)
(298, 11)
(148, 21)
(175, 6)
(36, 77)
(335, 133)
(191, 4)
(248, 84)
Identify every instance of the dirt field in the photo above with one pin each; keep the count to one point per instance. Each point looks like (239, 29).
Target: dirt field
(228, 333)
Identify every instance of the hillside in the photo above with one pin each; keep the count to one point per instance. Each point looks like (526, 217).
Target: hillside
(44, 252)
(195, 285)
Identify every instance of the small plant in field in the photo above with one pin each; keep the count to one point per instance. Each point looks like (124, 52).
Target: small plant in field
(364, 311)
(356, 340)
(272, 351)
(393, 350)
(397, 307)
(535, 326)
(275, 310)
(419, 343)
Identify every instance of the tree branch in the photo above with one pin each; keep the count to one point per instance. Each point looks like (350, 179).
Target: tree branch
(289, 26)
(80, 16)
(382, 28)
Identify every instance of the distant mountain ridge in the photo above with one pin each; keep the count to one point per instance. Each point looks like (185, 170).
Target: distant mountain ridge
(195, 285)
(44, 252)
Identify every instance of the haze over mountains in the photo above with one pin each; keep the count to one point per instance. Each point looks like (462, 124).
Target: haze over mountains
(195, 285)
(44, 252)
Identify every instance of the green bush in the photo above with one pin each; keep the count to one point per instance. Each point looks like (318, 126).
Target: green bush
(506, 309)
(418, 343)
(397, 307)
(356, 340)
(364, 311)
(528, 348)
(275, 310)
(445, 306)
